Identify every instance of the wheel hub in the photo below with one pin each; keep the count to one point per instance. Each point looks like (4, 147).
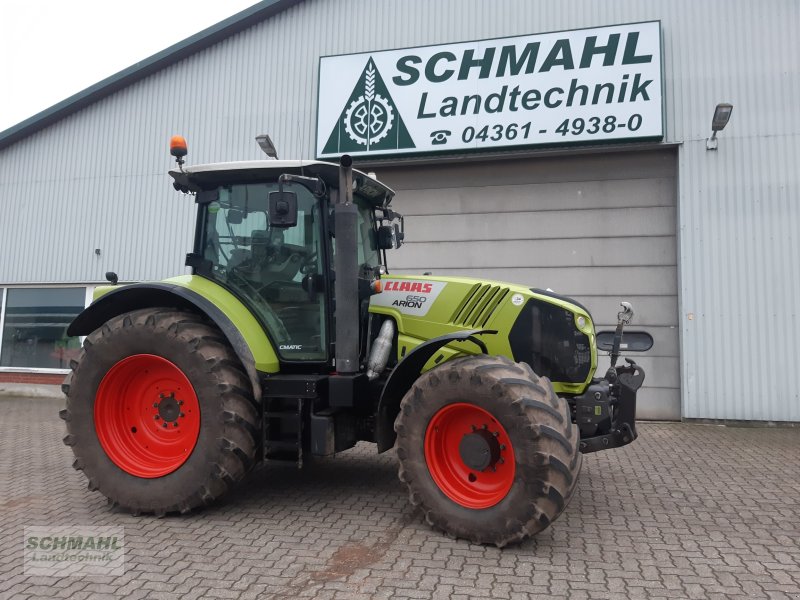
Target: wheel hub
(469, 455)
(479, 450)
(147, 415)
(169, 408)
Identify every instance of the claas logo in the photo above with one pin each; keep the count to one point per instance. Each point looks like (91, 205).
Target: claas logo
(408, 286)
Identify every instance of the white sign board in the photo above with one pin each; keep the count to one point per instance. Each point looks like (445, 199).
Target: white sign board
(584, 86)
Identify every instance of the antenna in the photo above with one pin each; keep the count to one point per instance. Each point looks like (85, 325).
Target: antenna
(302, 149)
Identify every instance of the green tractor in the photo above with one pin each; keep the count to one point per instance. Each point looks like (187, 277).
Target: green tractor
(290, 340)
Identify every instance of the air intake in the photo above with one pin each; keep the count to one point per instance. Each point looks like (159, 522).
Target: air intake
(479, 305)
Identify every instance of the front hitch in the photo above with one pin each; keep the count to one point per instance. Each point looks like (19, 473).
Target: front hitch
(606, 411)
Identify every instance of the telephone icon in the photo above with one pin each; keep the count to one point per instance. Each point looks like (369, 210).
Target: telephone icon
(440, 136)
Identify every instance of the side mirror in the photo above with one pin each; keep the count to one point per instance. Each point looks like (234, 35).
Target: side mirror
(386, 237)
(632, 341)
(282, 209)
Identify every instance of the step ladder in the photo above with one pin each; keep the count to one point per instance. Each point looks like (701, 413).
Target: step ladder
(287, 402)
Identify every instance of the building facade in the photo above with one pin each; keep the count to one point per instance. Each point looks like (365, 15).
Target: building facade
(700, 235)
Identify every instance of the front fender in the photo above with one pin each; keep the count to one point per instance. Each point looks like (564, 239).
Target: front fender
(198, 295)
(406, 373)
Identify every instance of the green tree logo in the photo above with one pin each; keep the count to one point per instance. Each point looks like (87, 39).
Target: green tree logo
(370, 121)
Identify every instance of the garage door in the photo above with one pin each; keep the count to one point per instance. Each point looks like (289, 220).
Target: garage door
(600, 228)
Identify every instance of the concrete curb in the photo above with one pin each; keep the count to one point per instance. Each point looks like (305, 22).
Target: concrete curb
(30, 390)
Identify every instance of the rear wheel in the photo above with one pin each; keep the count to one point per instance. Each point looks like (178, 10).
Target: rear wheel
(487, 449)
(159, 412)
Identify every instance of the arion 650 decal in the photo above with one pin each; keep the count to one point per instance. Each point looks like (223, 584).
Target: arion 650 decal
(587, 85)
(409, 297)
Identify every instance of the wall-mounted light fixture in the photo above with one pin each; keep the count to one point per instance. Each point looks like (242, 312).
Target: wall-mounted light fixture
(265, 143)
(722, 114)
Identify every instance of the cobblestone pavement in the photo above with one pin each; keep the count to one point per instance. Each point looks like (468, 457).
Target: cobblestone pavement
(687, 511)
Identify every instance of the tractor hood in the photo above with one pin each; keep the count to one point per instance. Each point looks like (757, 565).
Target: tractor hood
(552, 333)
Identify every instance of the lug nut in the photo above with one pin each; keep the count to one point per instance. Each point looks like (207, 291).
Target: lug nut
(180, 402)
(165, 425)
(155, 404)
(485, 426)
(181, 415)
(502, 446)
(501, 461)
(156, 417)
(175, 424)
(495, 433)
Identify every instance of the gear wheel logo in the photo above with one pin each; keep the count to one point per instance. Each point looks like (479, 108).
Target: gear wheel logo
(370, 117)
(368, 121)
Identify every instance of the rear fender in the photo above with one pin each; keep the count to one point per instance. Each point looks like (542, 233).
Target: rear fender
(406, 373)
(250, 343)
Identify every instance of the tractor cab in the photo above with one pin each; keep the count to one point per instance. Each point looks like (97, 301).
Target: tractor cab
(266, 232)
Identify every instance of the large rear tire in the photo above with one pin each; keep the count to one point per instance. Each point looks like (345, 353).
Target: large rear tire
(487, 449)
(160, 414)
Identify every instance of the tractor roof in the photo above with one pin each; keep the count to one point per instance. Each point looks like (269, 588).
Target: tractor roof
(197, 177)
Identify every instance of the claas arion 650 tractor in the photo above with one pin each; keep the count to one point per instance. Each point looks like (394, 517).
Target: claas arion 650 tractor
(290, 339)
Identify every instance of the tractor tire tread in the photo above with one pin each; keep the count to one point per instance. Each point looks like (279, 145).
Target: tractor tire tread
(542, 419)
(238, 412)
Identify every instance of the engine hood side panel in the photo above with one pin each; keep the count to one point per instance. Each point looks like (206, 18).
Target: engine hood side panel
(425, 307)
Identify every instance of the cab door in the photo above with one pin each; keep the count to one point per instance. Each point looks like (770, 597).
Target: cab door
(277, 271)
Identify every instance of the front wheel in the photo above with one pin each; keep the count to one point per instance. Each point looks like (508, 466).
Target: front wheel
(159, 412)
(487, 449)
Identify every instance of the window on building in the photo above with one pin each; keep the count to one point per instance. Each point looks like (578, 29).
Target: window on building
(35, 324)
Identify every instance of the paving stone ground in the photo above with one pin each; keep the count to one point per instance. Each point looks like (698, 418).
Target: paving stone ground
(687, 511)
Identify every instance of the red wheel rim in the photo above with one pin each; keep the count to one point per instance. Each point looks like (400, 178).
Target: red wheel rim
(146, 415)
(467, 485)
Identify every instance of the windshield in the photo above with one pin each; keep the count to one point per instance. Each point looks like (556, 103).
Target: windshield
(270, 267)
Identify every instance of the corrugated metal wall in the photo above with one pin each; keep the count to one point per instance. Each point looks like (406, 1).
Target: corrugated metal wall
(97, 179)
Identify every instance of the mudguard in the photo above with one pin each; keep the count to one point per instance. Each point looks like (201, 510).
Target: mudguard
(241, 335)
(406, 373)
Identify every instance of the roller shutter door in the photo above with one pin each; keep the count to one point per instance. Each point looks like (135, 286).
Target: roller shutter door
(597, 227)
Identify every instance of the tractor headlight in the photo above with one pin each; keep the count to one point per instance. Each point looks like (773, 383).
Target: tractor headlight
(584, 324)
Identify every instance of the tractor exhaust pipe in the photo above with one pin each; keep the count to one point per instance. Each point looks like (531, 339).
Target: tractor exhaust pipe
(346, 268)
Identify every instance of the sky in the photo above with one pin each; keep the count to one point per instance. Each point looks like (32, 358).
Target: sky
(52, 49)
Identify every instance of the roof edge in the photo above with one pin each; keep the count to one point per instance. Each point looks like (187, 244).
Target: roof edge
(138, 71)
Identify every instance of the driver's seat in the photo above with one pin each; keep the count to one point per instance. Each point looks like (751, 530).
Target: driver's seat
(260, 244)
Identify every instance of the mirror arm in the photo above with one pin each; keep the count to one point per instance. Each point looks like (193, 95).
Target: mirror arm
(315, 185)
